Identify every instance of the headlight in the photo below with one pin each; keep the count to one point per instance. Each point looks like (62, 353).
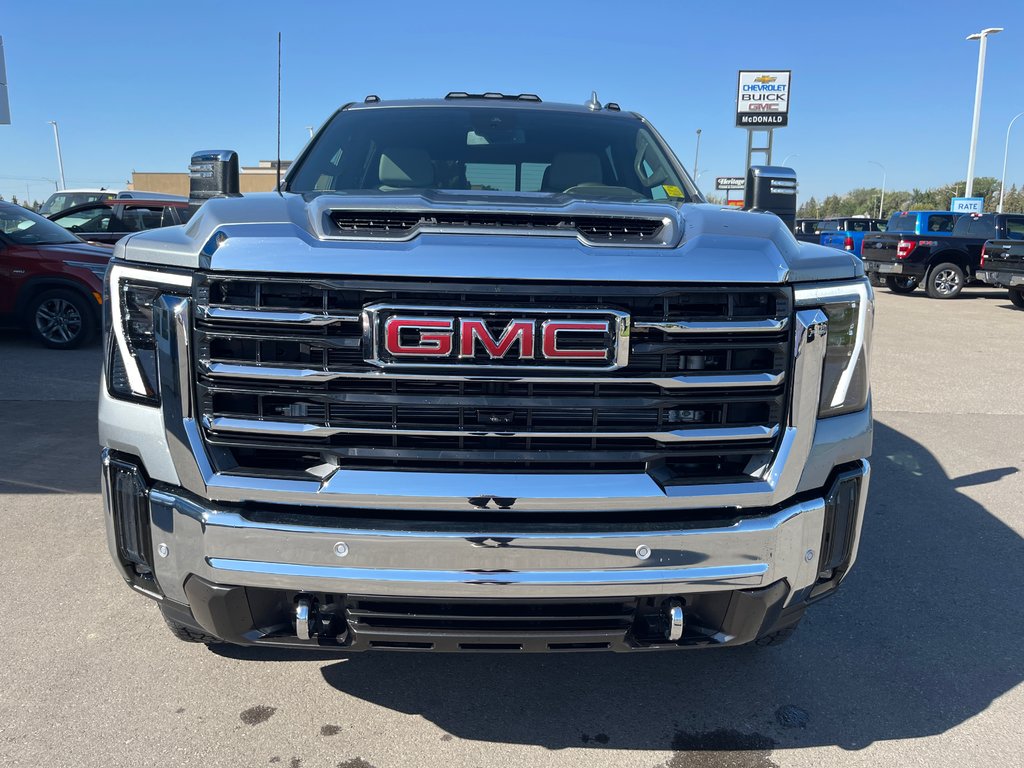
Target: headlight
(849, 308)
(132, 356)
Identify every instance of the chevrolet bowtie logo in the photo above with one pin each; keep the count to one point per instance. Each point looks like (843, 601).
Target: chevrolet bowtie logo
(765, 79)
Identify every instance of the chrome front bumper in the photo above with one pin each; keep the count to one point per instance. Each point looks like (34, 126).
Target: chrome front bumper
(277, 550)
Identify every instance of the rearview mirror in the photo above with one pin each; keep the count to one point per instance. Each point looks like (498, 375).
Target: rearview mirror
(772, 188)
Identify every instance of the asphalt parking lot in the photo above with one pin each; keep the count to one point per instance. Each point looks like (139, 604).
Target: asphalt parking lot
(918, 661)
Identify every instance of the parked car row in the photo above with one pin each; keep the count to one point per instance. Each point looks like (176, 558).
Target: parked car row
(944, 262)
(51, 269)
(50, 281)
(69, 198)
(845, 233)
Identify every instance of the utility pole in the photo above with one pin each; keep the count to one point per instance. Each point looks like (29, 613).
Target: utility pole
(882, 201)
(696, 157)
(60, 160)
(1006, 153)
(983, 38)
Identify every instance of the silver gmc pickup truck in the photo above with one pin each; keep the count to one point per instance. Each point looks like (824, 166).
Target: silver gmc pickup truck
(487, 374)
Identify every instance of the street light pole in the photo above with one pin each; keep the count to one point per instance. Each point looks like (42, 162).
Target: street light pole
(60, 160)
(1006, 153)
(786, 158)
(882, 201)
(696, 156)
(983, 38)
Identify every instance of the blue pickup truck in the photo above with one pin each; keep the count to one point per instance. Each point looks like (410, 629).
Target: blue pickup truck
(847, 233)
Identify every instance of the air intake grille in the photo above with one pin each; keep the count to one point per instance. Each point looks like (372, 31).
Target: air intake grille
(283, 383)
(402, 225)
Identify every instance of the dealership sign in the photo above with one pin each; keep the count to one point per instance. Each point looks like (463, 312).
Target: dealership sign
(762, 99)
(967, 204)
(730, 182)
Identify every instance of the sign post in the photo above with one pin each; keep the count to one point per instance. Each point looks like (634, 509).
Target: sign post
(762, 105)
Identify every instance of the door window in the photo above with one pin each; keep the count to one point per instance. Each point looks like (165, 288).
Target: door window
(1015, 228)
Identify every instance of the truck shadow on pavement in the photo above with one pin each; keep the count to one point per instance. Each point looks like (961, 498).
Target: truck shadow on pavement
(925, 634)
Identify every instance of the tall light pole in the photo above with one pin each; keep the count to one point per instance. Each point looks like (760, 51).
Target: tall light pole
(882, 201)
(1006, 153)
(983, 37)
(310, 129)
(60, 160)
(696, 156)
(786, 158)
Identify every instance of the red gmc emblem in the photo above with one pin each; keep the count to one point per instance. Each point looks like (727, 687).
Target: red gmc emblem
(497, 338)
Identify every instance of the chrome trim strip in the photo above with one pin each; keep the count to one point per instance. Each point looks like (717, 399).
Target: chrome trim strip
(695, 435)
(738, 326)
(267, 316)
(697, 381)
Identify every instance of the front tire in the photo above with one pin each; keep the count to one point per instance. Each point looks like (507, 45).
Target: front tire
(61, 319)
(898, 284)
(777, 637)
(187, 634)
(945, 281)
(1017, 297)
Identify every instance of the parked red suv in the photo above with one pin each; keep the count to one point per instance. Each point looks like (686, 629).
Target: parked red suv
(50, 281)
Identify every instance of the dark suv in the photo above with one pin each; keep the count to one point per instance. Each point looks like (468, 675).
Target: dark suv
(50, 281)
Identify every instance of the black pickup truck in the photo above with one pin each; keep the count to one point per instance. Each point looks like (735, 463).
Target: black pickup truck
(942, 264)
(1002, 265)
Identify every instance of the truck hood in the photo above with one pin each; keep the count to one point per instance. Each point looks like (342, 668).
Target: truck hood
(285, 234)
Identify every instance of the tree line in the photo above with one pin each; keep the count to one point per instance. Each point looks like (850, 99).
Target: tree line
(35, 205)
(864, 201)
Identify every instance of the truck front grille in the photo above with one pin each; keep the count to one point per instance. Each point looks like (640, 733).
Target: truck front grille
(283, 385)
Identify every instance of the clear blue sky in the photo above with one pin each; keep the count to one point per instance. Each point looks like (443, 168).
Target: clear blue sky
(141, 85)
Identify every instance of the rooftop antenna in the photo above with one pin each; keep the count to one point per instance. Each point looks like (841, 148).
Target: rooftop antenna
(279, 114)
(593, 104)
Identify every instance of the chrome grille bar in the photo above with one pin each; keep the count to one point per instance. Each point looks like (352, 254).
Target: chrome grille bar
(688, 381)
(732, 326)
(224, 314)
(286, 428)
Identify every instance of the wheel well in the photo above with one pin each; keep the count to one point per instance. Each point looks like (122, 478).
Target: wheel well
(38, 285)
(953, 257)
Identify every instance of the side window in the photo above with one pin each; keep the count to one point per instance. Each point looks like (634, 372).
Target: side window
(531, 176)
(97, 218)
(1015, 228)
(938, 222)
(139, 217)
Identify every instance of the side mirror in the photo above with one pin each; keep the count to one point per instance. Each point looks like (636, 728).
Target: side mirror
(772, 188)
(213, 173)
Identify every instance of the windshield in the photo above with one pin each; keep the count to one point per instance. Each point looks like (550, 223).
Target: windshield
(495, 149)
(61, 201)
(23, 227)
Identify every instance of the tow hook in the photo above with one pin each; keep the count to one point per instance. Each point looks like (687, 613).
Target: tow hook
(676, 623)
(307, 617)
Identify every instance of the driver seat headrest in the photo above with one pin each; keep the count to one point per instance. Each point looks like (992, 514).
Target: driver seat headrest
(570, 169)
